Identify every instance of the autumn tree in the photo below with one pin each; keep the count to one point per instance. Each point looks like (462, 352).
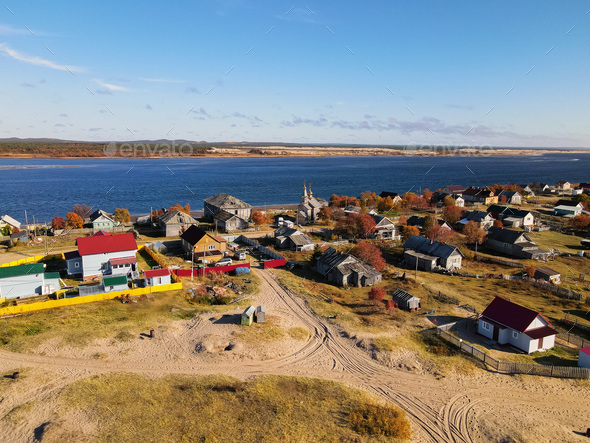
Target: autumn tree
(503, 200)
(122, 215)
(370, 198)
(449, 201)
(258, 218)
(155, 214)
(338, 213)
(325, 214)
(408, 231)
(58, 223)
(409, 200)
(82, 210)
(452, 214)
(473, 233)
(356, 225)
(579, 222)
(186, 209)
(429, 222)
(370, 254)
(74, 221)
(530, 271)
(403, 221)
(439, 233)
(498, 224)
(376, 293)
(385, 204)
(427, 194)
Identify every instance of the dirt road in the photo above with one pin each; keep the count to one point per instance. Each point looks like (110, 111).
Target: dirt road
(457, 409)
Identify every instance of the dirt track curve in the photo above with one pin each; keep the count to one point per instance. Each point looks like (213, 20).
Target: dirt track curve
(439, 411)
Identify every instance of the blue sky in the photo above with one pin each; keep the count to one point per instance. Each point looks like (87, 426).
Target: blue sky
(499, 73)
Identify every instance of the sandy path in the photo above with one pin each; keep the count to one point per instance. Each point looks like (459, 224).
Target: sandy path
(458, 409)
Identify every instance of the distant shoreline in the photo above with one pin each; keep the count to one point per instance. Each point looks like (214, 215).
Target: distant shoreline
(306, 152)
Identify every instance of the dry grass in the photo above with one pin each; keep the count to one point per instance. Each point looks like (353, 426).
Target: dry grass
(217, 408)
(79, 325)
(298, 333)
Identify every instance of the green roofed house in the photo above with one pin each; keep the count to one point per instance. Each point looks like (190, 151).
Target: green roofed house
(115, 283)
(27, 280)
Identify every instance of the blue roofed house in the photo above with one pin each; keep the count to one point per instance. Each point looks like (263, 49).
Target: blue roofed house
(512, 217)
(27, 280)
(429, 254)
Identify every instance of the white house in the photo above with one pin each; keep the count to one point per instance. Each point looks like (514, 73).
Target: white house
(102, 254)
(27, 280)
(512, 324)
(156, 277)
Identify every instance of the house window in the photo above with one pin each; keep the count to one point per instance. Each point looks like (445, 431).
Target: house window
(76, 265)
(485, 325)
(514, 334)
(211, 247)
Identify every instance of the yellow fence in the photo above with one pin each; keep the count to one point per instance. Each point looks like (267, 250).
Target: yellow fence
(50, 304)
(23, 261)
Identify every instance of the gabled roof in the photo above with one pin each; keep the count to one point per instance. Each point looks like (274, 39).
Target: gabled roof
(385, 194)
(227, 201)
(71, 255)
(224, 216)
(11, 221)
(416, 220)
(479, 192)
(345, 263)
(122, 260)
(506, 235)
(100, 213)
(546, 271)
(477, 216)
(430, 247)
(509, 194)
(249, 311)
(382, 219)
(510, 314)
(102, 244)
(455, 188)
(115, 280)
(20, 270)
(194, 234)
(176, 216)
(151, 273)
(400, 294)
(507, 211)
(564, 202)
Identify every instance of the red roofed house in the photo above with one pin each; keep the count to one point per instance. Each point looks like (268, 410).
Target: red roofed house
(512, 324)
(103, 254)
(157, 277)
(584, 357)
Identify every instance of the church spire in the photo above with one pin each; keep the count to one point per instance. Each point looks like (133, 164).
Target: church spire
(304, 196)
(310, 193)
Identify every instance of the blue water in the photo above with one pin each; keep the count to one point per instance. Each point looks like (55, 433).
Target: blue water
(49, 187)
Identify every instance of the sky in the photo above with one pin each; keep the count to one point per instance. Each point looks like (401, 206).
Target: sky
(473, 73)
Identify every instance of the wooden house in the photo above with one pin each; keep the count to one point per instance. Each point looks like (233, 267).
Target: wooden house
(405, 300)
(484, 220)
(512, 197)
(202, 245)
(7, 223)
(512, 217)
(417, 221)
(175, 222)
(248, 316)
(157, 277)
(229, 222)
(346, 270)
(260, 314)
(563, 185)
(453, 189)
(514, 243)
(547, 274)
(429, 254)
(385, 229)
(100, 219)
(227, 203)
(568, 208)
(103, 254)
(290, 238)
(480, 195)
(512, 324)
(393, 195)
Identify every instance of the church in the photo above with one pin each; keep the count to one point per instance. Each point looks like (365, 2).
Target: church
(308, 210)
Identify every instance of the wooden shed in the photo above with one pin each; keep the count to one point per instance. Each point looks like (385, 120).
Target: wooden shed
(260, 314)
(405, 300)
(248, 316)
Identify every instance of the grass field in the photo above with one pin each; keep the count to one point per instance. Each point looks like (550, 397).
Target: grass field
(128, 407)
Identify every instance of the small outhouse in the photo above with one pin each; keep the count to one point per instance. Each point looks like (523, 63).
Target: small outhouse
(405, 300)
(260, 314)
(247, 316)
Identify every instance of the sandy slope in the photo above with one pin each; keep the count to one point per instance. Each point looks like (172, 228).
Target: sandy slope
(480, 407)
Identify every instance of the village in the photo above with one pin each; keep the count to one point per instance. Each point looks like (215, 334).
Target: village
(457, 280)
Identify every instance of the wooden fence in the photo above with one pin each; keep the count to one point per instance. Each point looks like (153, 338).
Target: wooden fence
(509, 367)
(499, 261)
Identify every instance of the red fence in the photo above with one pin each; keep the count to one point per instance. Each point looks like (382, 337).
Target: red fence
(198, 272)
(274, 263)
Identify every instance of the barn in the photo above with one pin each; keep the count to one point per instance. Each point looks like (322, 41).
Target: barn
(405, 300)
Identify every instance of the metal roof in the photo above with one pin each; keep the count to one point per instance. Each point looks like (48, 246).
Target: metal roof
(16, 271)
(506, 235)
(510, 314)
(115, 280)
(400, 294)
(151, 273)
(102, 244)
(430, 247)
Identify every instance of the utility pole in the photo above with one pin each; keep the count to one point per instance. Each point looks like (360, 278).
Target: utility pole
(416, 271)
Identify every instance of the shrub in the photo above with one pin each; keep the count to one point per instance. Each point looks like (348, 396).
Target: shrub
(388, 421)
(376, 294)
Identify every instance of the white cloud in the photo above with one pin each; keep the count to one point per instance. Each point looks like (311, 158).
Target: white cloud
(110, 86)
(37, 61)
(9, 30)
